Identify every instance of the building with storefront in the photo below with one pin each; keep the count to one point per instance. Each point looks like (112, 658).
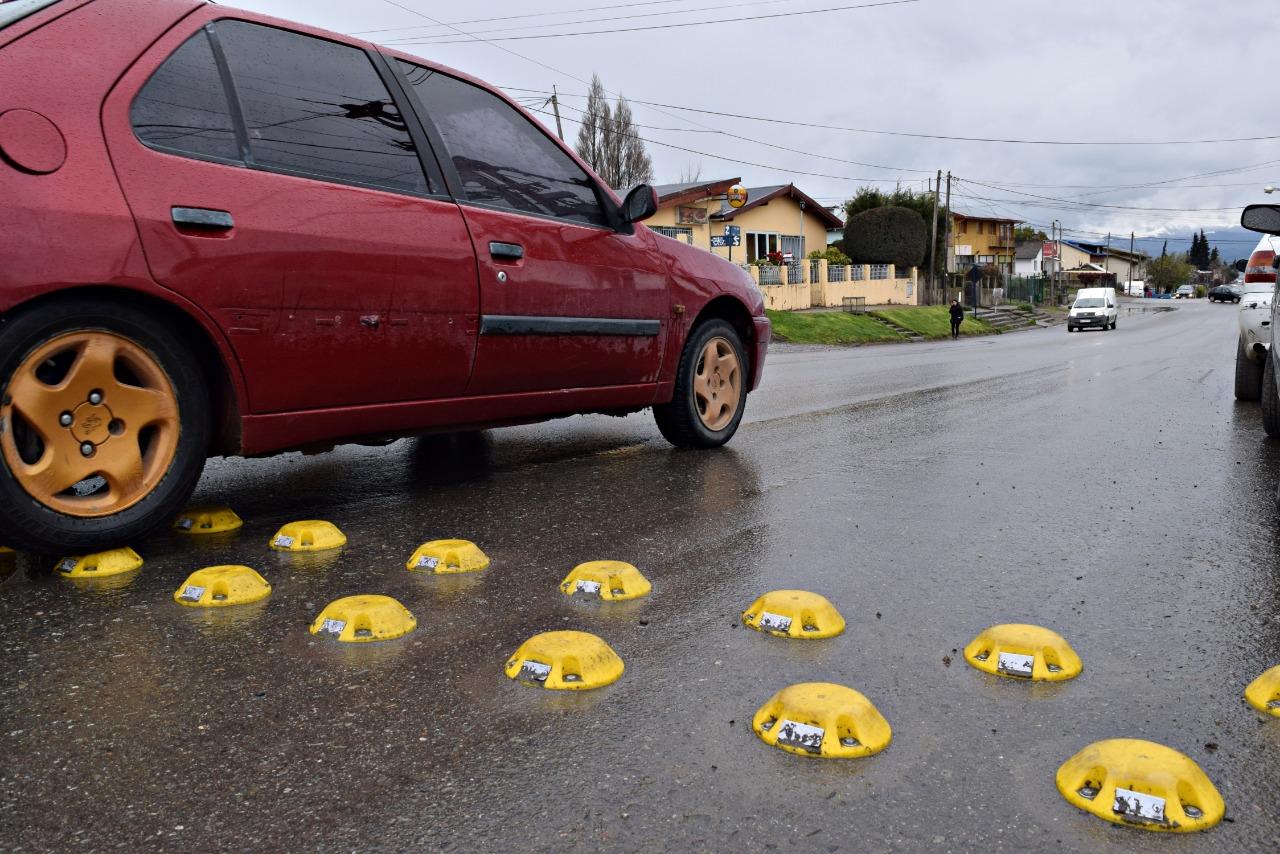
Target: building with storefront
(776, 219)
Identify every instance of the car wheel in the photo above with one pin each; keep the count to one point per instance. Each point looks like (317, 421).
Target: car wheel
(1249, 382)
(1070, 328)
(711, 389)
(104, 426)
(1270, 400)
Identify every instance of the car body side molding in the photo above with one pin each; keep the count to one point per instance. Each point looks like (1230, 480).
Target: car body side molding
(498, 324)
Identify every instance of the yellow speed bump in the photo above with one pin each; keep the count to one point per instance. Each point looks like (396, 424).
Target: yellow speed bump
(219, 586)
(1020, 651)
(447, 557)
(1263, 693)
(100, 565)
(608, 579)
(1140, 783)
(207, 520)
(361, 619)
(5, 550)
(309, 536)
(822, 719)
(794, 614)
(565, 661)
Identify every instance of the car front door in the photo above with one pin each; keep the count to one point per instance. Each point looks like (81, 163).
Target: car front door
(568, 297)
(276, 182)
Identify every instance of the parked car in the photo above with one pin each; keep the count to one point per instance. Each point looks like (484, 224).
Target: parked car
(1093, 307)
(1184, 292)
(1225, 293)
(1266, 219)
(228, 234)
(1255, 321)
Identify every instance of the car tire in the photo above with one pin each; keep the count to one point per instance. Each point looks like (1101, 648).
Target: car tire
(1249, 380)
(78, 476)
(709, 399)
(1070, 328)
(1270, 400)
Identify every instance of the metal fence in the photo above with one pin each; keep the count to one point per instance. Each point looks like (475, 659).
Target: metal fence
(879, 271)
(855, 273)
(769, 274)
(795, 273)
(837, 273)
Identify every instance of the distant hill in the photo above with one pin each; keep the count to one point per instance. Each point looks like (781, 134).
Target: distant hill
(1232, 243)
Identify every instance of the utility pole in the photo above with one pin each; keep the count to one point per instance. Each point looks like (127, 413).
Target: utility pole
(555, 106)
(1129, 287)
(946, 261)
(933, 243)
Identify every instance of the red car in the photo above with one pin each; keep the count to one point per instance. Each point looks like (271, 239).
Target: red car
(226, 234)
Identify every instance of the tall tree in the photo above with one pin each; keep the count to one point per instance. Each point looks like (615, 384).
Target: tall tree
(609, 141)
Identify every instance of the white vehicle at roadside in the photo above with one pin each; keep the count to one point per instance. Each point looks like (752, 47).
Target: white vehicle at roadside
(1255, 319)
(1094, 307)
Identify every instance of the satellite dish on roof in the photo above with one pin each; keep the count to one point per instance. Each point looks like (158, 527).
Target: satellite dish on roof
(737, 196)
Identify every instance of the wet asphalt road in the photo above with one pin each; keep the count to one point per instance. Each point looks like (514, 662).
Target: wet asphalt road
(1103, 484)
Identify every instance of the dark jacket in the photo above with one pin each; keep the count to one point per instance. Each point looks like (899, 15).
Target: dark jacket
(957, 313)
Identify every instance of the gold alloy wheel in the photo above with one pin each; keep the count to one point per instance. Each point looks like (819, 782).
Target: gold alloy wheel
(89, 424)
(717, 384)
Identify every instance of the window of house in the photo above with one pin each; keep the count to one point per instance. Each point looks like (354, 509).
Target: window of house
(793, 244)
(986, 259)
(502, 158)
(964, 226)
(675, 232)
(761, 243)
(183, 107)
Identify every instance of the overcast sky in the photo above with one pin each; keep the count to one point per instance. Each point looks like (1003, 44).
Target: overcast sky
(1089, 70)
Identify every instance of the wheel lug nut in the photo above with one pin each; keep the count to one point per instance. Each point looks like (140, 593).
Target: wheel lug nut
(87, 449)
(65, 419)
(95, 397)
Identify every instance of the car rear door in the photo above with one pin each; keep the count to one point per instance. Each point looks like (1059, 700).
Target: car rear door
(277, 183)
(567, 299)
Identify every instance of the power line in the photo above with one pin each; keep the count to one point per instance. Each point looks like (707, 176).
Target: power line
(517, 17)
(947, 137)
(451, 39)
(679, 25)
(1088, 205)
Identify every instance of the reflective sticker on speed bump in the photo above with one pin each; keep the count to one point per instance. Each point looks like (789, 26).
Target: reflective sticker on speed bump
(794, 614)
(1263, 693)
(565, 661)
(309, 536)
(100, 565)
(207, 520)
(220, 586)
(1022, 651)
(447, 557)
(822, 719)
(362, 619)
(1142, 784)
(607, 579)
(5, 550)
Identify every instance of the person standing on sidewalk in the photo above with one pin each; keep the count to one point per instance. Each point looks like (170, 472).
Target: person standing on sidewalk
(957, 315)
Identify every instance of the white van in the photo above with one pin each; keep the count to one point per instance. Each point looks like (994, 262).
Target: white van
(1093, 307)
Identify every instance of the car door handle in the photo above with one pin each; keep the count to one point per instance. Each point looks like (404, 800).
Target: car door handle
(202, 218)
(506, 251)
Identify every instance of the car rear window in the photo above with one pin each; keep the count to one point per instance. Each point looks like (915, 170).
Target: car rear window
(318, 108)
(12, 11)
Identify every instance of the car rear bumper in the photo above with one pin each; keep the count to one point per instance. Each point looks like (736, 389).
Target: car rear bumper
(764, 333)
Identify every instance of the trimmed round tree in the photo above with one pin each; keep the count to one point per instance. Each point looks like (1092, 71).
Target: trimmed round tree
(886, 235)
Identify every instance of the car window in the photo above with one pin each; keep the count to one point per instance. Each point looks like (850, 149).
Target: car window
(183, 107)
(1089, 302)
(502, 158)
(318, 108)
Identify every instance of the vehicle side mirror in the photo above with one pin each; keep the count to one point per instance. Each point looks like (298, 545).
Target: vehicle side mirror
(1261, 218)
(640, 204)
